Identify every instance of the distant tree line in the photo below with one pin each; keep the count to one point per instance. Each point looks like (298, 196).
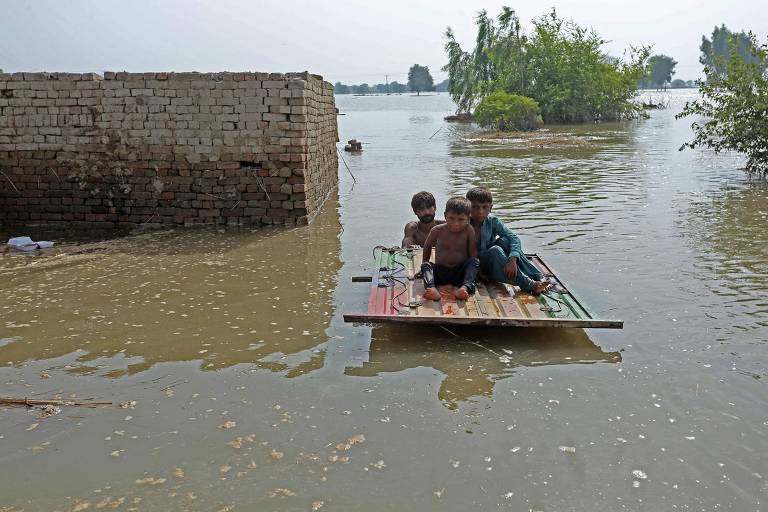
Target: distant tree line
(419, 80)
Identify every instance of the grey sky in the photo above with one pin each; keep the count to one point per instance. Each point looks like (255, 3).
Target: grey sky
(353, 42)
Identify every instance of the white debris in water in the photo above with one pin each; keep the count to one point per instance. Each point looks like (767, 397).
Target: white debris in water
(567, 449)
(280, 492)
(690, 438)
(228, 424)
(439, 492)
(455, 463)
(635, 484)
(508, 495)
(317, 505)
(151, 481)
(511, 427)
(515, 449)
(487, 459)
(640, 474)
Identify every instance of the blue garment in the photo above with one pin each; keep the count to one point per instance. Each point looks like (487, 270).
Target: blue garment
(496, 245)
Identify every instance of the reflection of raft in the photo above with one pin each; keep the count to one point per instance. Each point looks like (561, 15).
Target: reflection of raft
(396, 297)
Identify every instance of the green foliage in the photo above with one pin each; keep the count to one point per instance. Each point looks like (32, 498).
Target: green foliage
(716, 53)
(505, 112)
(734, 103)
(560, 65)
(659, 71)
(419, 79)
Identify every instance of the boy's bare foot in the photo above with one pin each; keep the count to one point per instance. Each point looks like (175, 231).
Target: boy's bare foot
(462, 293)
(431, 294)
(540, 287)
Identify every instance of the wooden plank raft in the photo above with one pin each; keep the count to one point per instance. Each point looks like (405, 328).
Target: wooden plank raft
(396, 296)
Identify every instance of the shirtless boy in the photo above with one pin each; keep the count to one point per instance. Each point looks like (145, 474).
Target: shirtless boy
(423, 205)
(456, 260)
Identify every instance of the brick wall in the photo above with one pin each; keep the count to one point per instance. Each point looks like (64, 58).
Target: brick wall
(128, 149)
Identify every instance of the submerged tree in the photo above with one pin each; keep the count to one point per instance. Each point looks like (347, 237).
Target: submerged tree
(660, 70)
(419, 79)
(560, 65)
(734, 101)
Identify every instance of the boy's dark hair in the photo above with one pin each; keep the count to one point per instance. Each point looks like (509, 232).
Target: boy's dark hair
(458, 205)
(421, 200)
(480, 195)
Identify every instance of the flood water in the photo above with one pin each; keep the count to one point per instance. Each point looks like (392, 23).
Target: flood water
(251, 393)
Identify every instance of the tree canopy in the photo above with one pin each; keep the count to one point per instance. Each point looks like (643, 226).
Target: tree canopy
(419, 79)
(559, 64)
(660, 70)
(716, 52)
(734, 103)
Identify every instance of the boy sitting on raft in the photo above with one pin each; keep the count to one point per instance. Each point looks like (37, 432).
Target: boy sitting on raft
(456, 260)
(500, 252)
(416, 232)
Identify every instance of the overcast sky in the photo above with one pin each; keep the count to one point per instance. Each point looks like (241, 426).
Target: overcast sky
(352, 42)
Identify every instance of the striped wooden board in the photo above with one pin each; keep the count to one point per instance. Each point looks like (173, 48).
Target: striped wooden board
(396, 296)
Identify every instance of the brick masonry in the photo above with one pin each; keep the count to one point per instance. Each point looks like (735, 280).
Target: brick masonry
(128, 149)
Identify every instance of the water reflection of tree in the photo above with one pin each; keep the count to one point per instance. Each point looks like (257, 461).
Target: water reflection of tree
(222, 297)
(474, 359)
(572, 191)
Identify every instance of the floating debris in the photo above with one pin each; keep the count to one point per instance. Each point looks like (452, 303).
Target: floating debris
(317, 505)
(47, 411)
(283, 493)
(128, 404)
(150, 481)
(179, 473)
(640, 474)
(567, 449)
(276, 455)
(349, 443)
(439, 492)
(228, 424)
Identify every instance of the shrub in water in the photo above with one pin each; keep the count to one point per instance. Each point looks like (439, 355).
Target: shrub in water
(507, 112)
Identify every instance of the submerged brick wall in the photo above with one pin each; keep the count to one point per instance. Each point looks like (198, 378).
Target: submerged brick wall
(165, 148)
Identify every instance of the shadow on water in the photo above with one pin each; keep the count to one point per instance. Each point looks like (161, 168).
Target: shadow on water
(472, 360)
(222, 297)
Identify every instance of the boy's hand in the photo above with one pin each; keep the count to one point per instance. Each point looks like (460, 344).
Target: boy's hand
(510, 269)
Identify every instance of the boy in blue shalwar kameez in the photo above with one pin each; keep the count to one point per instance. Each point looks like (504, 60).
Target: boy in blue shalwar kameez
(501, 254)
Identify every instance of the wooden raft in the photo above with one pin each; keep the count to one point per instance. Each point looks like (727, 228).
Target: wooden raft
(396, 296)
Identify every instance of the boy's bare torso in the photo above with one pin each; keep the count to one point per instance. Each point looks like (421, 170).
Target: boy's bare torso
(417, 232)
(451, 249)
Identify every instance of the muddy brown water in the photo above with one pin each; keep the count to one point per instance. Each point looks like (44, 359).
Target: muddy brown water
(252, 394)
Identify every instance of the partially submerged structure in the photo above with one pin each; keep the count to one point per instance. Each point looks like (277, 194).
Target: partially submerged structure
(125, 149)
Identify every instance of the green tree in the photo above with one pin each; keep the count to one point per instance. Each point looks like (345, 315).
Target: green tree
(503, 111)
(734, 103)
(363, 89)
(419, 79)
(716, 53)
(560, 65)
(571, 77)
(660, 70)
